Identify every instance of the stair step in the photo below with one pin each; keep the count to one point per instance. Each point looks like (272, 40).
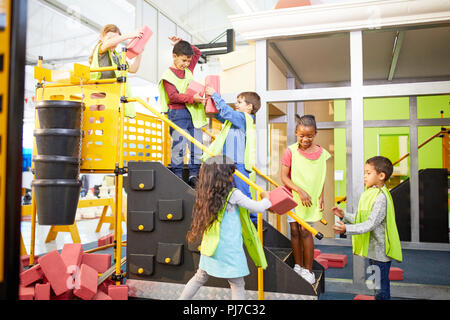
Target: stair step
(282, 253)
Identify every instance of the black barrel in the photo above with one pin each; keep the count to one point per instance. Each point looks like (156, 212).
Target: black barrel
(58, 142)
(56, 200)
(59, 114)
(56, 167)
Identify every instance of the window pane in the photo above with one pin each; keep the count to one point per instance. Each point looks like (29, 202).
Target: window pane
(386, 108)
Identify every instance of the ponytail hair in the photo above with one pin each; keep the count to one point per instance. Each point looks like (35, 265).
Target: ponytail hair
(105, 30)
(307, 120)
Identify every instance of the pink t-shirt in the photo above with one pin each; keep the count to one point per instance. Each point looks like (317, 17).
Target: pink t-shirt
(286, 160)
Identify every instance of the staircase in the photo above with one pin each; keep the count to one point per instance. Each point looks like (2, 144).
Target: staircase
(160, 261)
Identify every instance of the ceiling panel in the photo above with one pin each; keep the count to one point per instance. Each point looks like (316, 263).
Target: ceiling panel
(377, 54)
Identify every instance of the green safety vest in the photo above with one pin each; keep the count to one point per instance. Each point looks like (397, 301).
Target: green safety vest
(211, 236)
(391, 238)
(197, 110)
(129, 107)
(309, 175)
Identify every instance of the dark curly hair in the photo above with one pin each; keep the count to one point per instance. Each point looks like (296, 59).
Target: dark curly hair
(214, 184)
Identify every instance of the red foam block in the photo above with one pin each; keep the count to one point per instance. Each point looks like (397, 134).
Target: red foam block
(282, 201)
(100, 295)
(334, 260)
(323, 262)
(42, 291)
(363, 297)
(395, 273)
(136, 46)
(31, 275)
(98, 261)
(119, 292)
(212, 81)
(108, 239)
(65, 296)
(72, 253)
(26, 293)
(54, 270)
(317, 252)
(195, 87)
(87, 281)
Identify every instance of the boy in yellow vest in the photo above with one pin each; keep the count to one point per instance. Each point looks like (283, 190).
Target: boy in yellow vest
(237, 139)
(184, 110)
(373, 227)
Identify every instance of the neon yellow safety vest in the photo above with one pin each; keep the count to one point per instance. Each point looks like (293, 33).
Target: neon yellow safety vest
(391, 238)
(129, 107)
(309, 175)
(197, 110)
(211, 236)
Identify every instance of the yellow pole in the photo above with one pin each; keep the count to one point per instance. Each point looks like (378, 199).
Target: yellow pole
(119, 175)
(260, 270)
(316, 233)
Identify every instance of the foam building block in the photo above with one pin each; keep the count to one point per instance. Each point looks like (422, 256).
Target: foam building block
(72, 253)
(317, 252)
(323, 262)
(98, 261)
(100, 295)
(282, 201)
(136, 46)
(31, 275)
(334, 260)
(119, 292)
(108, 239)
(26, 260)
(87, 281)
(104, 285)
(54, 270)
(195, 87)
(212, 81)
(42, 291)
(26, 293)
(65, 296)
(395, 273)
(363, 297)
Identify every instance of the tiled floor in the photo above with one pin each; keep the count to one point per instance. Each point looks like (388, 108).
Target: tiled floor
(86, 229)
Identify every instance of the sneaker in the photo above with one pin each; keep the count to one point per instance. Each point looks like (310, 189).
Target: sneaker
(308, 276)
(298, 269)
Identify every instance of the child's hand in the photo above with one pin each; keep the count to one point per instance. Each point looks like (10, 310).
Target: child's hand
(175, 39)
(209, 91)
(304, 197)
(199, 99)
(338, 212)
(339, 227)
(136, 34)
(264, 194)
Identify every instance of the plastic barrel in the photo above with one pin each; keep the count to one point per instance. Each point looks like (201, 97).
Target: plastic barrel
(58, 142)
(59, 114)
(56, 200)
(55, 167)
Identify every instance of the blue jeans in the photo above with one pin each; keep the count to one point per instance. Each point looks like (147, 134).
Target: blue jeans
(244, 187)
(183, 119)
(384, 293)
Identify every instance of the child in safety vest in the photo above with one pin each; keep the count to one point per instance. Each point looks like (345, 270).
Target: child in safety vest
(221, 218)
(237, 139)
(303, 170)
(186, 111)
(105, 55)
(373, 228)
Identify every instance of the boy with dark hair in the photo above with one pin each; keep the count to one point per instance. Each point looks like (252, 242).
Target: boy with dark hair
(373, 227)
(237, 140)
(184, 110)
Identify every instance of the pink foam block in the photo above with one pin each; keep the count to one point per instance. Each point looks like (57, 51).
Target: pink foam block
(54, 270)
(98, 261)
(72, 254)
(100, 295)
(323, 262)
(26, 260)
(282, 201)
(26, 293)
(334, 260)
(395, 273)
(108, 239)
(31, 275)
(213, 82)
(104, 285)
(195, 87)
(136, 46)
(42, 291)
(86, 279)
(119, 292)
(65, 296)
(363, 297)
(317, 252)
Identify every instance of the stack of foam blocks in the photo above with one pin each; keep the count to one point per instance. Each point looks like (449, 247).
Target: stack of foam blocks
(69, 275)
